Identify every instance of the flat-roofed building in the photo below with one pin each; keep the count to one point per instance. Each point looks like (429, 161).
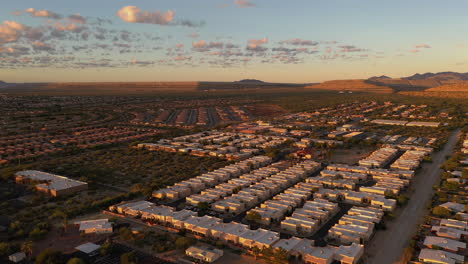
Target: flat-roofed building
(204, 253)
(52, 184)
(449, 232)
(99, 226)
(439, 256)
(444, 243)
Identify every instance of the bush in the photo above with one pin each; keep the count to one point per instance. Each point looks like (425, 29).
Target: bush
(76, 261)
(184, 242)
(49, 256)
(441, 212)
(128, 258)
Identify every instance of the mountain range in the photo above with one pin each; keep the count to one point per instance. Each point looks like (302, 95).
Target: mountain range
(425, 82)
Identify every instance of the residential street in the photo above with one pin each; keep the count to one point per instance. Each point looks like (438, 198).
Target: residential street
(387, 246)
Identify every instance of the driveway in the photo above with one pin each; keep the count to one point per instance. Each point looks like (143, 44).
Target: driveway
(387, 246)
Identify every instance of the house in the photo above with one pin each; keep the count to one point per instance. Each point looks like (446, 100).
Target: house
(17, 257)
(449, 232)
(100, 226)
(349, 254)
(439, 256)
(204, 253)
(52, 184)
(444, 243)
(462, 225)
(89, 249)
(454, 207)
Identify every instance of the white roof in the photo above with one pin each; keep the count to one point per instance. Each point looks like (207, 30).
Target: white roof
(96, 224)
(444, 243)
(440, 256)
(88, 247)
(55, 182)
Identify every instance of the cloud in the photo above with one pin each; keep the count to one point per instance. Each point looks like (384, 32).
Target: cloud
(199, 44)
(244, 3)
(254, 43)
(10, 31)
(77, 18)
(299, 42)
(422, 46)
(133, 14)
(182, 58)
(203, 46)
(68, 27)
(350, 48)
(42, 46)
(41, 13)
(142, 63)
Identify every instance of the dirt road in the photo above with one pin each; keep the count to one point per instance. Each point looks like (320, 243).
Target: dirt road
(387, 246)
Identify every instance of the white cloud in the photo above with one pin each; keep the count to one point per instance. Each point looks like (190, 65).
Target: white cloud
(10, 31)
(42, 13)
(133, 14)
(254, 43)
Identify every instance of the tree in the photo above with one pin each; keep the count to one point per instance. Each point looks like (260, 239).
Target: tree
(203, 206)
(125, 234)
(76, 261)
(49, 256)
(27, 247)
(63, 216)
(5, 249)
(184, 242)
(402, 199)
(253, 216)
(106, 249)
(129, 258)
(441, 212)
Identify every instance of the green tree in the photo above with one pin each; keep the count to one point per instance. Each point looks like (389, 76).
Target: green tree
(184, 242)
(5, 249)
(49, 256)
(76, 261)
(27, 247)
(441, 212)
(253, 216)
(129, 258)
(203, 206)
(106, 249)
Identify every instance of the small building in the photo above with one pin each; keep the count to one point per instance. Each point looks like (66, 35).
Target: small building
(89, 248)
(439, 256)
(54, 185)
(204, 253)
(17, 257)
(100, 226)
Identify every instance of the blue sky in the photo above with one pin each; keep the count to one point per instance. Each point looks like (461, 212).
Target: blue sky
(225, 40)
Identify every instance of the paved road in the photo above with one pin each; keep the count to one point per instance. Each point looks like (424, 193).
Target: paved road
(387, 247)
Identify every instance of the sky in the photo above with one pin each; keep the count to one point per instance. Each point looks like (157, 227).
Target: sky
(299, 41)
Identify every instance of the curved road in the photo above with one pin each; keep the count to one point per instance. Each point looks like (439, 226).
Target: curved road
(387, 246)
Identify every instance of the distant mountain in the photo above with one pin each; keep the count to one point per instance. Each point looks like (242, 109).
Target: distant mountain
(250, 81)
(351, 85)
(420, 82)
(441, 76)
(383, 77)
(2, 82)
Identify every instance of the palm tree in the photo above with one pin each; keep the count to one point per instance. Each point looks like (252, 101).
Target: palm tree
(27, 247)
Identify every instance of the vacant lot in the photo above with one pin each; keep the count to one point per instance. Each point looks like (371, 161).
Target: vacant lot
(350, 156)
